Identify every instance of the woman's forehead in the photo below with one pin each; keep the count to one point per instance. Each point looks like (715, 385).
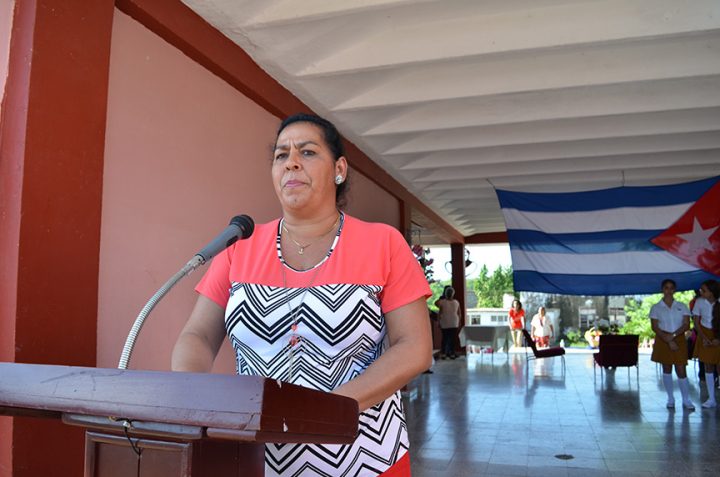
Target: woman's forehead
(300, 133)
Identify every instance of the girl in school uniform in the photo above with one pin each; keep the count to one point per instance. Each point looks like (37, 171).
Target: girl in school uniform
(670, 319)
(706, 313)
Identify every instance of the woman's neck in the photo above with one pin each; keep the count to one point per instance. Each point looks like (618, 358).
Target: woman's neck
(668, 300)
(306, 226)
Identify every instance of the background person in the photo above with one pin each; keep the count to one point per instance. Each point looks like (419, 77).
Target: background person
(692, 339)
(449, 320)
(670, 320)
(319, 299)
(516, 322)
(541, 329)
(592, 336)
(706, 314)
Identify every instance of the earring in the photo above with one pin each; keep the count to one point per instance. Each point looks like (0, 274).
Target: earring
(339, 179)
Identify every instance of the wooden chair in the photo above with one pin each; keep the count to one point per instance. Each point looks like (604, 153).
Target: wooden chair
(542, 353)
(615, 351)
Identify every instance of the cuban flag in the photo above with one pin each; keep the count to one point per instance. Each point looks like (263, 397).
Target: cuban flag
(618, 241)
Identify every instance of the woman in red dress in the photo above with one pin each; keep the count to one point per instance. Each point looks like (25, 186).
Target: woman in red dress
(516, 321)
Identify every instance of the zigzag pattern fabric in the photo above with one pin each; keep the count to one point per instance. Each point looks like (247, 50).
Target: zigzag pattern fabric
(335, 316)
(342, 331)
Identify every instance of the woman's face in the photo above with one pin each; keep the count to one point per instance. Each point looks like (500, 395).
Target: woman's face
(304, 169)
(668, 290)
(707, 294)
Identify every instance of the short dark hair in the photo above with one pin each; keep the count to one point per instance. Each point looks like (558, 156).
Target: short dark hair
(333, 141)
(668, 280)
(714, 287)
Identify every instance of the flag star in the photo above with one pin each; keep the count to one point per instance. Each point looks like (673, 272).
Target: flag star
(699, 239)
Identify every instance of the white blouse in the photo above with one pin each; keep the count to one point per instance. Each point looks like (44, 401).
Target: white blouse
(669, 318)
(703, 309)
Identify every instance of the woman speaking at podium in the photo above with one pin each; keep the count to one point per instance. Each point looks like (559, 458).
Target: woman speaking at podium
(319, 299)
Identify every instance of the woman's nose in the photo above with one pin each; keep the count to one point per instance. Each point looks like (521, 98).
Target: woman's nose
(293, 162)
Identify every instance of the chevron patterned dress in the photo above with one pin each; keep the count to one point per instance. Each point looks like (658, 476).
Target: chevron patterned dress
(340, 320)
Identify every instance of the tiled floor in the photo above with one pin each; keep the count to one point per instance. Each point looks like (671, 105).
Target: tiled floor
(486, 417)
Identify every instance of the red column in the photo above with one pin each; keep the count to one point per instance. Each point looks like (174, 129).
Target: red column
(457, 255)
(52, 135)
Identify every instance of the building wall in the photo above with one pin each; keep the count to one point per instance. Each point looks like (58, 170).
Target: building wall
(6, 15)
(184, 152)
(369, 202)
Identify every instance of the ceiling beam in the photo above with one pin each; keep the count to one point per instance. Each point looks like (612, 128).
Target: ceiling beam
(567, 103)
(473, 33)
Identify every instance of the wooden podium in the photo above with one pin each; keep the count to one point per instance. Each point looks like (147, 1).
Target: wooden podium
(175, 424)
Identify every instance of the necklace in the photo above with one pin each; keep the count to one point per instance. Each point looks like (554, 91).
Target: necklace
(292, 346)
(301, 247)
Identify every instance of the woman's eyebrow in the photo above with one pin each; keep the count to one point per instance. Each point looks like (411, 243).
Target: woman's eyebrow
(298, 145)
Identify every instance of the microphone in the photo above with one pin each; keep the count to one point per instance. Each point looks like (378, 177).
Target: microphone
(241, 227)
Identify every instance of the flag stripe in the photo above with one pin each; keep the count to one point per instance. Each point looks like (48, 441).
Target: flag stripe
(636, 218)
(599, 264)
(604, 284)
(599, 242)
(602, 242)
(652, 196)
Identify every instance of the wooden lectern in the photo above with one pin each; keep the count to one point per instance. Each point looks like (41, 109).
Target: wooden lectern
(176, 424)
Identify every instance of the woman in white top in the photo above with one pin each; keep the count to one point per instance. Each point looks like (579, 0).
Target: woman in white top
(449, 320)
(706, 313)
(670, 320)
(541, 329)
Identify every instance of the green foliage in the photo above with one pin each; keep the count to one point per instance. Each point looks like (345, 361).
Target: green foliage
(573, 337)
(490, 288)
(638, 314)
(638, 326)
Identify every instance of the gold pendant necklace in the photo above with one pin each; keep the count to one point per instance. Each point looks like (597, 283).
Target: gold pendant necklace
(301, 247)
(293, 347)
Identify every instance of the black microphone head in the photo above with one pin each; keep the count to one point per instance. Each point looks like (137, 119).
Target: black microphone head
(245, 223)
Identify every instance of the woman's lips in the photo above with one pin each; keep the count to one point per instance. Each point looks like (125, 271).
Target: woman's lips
(293, 183)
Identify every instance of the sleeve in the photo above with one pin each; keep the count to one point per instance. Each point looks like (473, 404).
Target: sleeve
(405, 280)
(696, 309)
(653, 312)
(686, 310)
(215, 284)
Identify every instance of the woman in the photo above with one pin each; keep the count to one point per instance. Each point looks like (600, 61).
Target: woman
(516, 322)
(706, 313)
(449, 320)
(670, 320)
(541, 329)
(322, 300)
(592, 336)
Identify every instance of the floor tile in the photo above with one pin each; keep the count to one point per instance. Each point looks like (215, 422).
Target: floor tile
(488, 417)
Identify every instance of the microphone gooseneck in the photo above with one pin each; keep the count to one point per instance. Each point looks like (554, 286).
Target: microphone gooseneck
(240, 227)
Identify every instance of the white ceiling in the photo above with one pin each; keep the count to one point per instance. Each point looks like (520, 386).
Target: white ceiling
(455, 97)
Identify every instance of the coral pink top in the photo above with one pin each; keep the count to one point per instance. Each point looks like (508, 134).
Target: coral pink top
(338, 329)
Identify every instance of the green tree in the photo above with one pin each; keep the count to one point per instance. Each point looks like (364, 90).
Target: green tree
(490, 288)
